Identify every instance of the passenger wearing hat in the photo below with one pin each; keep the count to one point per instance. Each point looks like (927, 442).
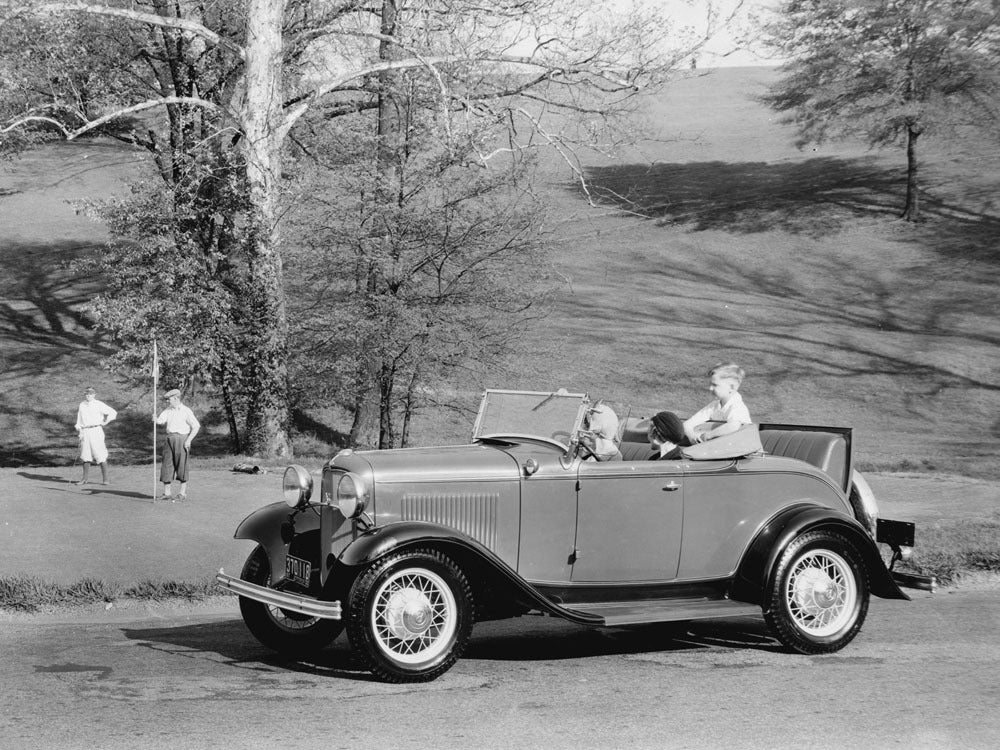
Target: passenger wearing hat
(181, 426)
(91, 417)
(666, 435)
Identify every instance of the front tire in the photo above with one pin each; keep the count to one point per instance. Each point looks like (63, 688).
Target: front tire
(819, 598)
(289, 633)
(410, 616)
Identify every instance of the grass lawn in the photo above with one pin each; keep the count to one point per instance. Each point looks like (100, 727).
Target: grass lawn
(733, 245)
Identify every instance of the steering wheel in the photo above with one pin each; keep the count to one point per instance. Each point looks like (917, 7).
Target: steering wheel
(560, 435)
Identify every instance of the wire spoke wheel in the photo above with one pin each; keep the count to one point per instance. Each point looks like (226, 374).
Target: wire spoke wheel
(410, 615)
(284, 631)
(414, 616)
(819, 598)
(290, 620)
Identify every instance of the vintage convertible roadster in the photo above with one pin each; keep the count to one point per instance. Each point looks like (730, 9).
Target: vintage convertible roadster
(407, 548)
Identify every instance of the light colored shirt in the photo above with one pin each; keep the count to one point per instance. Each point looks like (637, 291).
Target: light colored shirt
(734, 411)
(179, 419)
(93, 413)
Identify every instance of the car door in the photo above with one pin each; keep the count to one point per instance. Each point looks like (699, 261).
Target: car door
(629, 521)
(548, 515)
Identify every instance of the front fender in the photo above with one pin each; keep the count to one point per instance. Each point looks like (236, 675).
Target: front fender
(757, 569)
(375, 544)
(273, 528)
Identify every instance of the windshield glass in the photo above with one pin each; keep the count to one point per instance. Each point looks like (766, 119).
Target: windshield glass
(556, 416)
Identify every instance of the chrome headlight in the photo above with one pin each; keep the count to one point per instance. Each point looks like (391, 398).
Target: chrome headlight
(296, 486)
(351, 495)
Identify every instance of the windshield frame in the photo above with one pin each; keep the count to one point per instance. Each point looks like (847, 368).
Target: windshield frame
(490, 419)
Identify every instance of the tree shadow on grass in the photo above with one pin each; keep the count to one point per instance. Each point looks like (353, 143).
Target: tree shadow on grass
(43, 306)
(821, 296)
(814, 197)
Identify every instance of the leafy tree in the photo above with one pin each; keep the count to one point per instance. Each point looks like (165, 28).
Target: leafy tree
(427, 293)
(236, 79)
(888, 71)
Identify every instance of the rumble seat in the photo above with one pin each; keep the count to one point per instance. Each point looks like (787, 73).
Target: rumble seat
(826, 451)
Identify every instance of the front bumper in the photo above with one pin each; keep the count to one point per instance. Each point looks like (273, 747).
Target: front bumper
(305, 605)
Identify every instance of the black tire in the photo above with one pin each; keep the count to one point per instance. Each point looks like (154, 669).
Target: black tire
(819, 598)
(409, 616)
(288, 633)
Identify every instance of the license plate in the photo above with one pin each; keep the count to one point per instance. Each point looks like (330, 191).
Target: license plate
(894, 533)
(297, 570)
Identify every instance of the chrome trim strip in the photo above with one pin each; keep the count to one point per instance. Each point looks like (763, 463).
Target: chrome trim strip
(305, 605)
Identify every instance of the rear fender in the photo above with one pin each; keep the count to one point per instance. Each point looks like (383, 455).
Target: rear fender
(759, 564)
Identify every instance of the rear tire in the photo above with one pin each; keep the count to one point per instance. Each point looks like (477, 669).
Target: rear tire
(819, 598)
(289, 633)
(410, 616)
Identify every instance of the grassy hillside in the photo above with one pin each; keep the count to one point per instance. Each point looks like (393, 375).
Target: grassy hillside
(733, 245)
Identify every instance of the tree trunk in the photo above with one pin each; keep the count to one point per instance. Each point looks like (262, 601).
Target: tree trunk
(370, 426)
(268, 417)
(227, 401)
(911, 212)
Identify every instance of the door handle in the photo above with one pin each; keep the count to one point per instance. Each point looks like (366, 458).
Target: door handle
(671, 487)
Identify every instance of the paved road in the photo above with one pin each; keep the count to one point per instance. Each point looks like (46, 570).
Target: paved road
(921, 675)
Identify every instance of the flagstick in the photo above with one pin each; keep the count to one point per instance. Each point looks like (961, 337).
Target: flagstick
(156, 377)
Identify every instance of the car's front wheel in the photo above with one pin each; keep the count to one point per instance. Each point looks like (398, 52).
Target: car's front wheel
(289, 633)
(819, 597)
(409, 616)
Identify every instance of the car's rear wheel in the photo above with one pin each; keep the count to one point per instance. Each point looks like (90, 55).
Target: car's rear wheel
(819, 598)
(284, 631)
(410, 616)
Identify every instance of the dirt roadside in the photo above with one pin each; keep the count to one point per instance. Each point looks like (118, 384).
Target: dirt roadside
(60, 532)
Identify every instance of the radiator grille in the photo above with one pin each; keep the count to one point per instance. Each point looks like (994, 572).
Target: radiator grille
(474, 514)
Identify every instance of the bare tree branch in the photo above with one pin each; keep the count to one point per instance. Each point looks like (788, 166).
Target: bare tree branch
(181, 24)
(118, 113)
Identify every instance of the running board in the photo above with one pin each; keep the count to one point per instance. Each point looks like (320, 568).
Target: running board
(663, 610)
(304, 605)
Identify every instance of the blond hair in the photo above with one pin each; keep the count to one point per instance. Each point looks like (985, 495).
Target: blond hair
(728, 370)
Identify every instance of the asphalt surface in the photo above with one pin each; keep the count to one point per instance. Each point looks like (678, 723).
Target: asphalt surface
(921, 675)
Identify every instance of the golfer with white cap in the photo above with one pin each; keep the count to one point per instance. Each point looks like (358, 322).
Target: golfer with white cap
(181, 426)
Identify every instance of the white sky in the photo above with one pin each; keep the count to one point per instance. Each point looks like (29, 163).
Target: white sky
(724, 49)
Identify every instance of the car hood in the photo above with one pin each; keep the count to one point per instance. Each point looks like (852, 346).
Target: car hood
(444, 463)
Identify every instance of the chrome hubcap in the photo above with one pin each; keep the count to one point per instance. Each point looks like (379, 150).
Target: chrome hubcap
(822, 593)
(408, 613)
